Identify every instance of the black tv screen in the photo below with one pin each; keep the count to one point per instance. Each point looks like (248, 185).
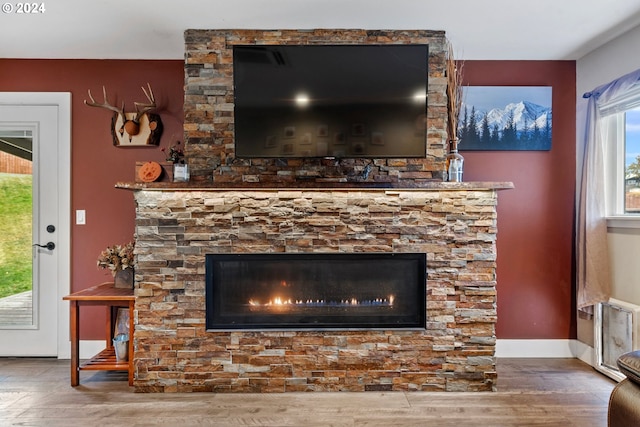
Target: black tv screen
(330, 100)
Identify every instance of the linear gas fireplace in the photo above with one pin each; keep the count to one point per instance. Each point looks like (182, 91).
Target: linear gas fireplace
(315, 291)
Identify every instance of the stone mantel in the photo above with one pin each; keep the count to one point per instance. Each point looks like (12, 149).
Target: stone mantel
(429, 186)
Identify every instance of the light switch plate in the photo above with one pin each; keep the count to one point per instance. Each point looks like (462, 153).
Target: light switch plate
(81, 218)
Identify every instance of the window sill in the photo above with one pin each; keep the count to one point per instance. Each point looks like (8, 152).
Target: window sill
(627, 221)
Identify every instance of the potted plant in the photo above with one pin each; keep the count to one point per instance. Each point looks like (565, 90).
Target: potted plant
(180, 168)
(120, 261)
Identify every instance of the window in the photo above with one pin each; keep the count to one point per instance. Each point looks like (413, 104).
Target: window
(631, 204)
(621, 130)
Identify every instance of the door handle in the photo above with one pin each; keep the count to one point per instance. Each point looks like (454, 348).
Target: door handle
(50, 246)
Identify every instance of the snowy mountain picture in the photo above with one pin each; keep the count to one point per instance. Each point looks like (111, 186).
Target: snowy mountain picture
(505, 118)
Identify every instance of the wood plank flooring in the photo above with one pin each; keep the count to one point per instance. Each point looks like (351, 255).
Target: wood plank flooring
(532, 392)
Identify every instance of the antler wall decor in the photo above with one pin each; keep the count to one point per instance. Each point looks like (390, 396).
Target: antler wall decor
(139, 128)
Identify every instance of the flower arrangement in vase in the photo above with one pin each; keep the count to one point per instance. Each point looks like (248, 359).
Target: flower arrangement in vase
(180, 168)
(175, 154)
(119, 259)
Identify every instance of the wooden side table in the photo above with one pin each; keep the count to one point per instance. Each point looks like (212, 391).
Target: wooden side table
(112, 298)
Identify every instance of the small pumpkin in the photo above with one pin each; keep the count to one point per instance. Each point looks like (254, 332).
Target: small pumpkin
(150, 172)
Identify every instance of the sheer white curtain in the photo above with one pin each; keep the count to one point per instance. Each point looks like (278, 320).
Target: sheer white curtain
(593, 273)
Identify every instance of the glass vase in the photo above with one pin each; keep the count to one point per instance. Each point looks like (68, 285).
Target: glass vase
(455, 163)
(180, 172)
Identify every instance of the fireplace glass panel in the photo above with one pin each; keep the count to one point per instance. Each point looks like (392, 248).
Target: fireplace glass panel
(315, 291)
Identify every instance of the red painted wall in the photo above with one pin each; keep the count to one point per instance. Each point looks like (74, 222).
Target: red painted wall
(96, 164)
(535, 298)
(535, 220)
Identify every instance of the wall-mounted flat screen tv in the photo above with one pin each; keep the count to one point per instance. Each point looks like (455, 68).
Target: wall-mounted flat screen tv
(330, 100)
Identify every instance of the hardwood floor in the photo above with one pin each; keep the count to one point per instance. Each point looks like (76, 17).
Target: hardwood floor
(532, 392)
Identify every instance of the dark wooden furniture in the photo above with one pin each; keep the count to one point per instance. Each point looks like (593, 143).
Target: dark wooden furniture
(112, 298)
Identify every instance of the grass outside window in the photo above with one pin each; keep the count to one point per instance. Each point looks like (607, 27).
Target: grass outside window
(15, 234)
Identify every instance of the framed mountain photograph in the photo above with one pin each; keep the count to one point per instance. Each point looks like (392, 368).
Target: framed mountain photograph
(505, 118)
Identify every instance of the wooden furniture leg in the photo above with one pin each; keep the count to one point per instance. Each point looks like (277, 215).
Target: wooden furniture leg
(75, 342)
(131, 328)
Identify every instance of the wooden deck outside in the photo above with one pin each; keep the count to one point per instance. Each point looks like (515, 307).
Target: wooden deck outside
(16, 310)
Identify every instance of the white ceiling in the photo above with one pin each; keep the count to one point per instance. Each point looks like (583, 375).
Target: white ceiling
(150, 29)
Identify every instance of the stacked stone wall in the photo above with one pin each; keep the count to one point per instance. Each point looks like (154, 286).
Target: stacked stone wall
(209, 115)
(175, 229)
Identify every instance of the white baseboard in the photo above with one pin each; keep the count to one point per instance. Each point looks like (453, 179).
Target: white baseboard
(585, 352)
(544, 348)
(88, 349)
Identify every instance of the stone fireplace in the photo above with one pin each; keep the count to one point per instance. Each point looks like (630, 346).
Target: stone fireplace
(453, 224)
(302, 206)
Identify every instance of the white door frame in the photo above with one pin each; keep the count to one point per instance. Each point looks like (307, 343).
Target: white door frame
(63, 232)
